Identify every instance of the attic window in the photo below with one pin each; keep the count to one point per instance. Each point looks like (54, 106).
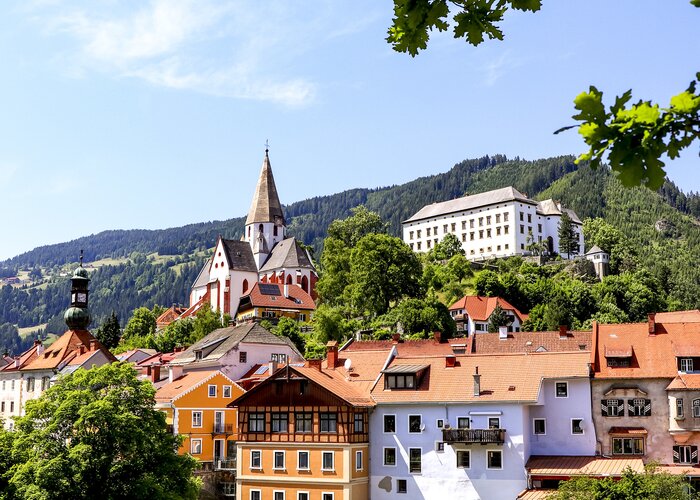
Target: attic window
(403, 376)
(618, 362)
(198, 354)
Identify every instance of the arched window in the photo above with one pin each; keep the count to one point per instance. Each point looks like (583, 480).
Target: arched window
(260, 228)
(248, 231)
(305, 284)
(289, 279)
(245, 286)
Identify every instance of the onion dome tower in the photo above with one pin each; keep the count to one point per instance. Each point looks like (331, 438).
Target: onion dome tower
(77, 316)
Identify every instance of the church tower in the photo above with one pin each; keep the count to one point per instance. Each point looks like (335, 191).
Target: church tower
(264, 227)
(77, 316)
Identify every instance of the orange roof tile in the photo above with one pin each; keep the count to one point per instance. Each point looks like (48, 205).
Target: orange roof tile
(65, 348)
(484, 343)
(184, 384)
(535, 494)
(553, 466)
(480, 308)
(22, 360)
(653, 355)
(420, 347)
(335, 382)
(685, 381)
(297, 298)
(504, 377)
(685, 470)
(691, 316)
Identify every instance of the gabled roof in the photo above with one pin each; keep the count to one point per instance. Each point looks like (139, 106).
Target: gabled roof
(406, 348)
(287, 253)
(596, 249)
(265, 206)
(685, 382)
(170, 315)
(239, 255)
(550, 207)
(504, 377)
(520, 342)
(262, 297)
(22, 360)
(470, 202)
(203, 276)
(65, 348)
(185, 384)
(219, 342)
(480, 308)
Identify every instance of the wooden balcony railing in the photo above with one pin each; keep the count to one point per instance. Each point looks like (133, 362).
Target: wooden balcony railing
(222, 429)
(479, 436)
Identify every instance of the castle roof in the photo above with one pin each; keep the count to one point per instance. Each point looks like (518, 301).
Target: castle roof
(266, 205)
(550, 207)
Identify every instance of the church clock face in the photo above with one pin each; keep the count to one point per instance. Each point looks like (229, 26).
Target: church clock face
(82, 297)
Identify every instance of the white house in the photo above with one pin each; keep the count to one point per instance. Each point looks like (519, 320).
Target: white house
(464, 426)
(472, 314)
(498, 223)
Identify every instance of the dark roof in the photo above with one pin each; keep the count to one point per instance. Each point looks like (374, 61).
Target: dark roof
(239, 255)
(266, 203)
(203, 276)
(221, 341)
(287, 253)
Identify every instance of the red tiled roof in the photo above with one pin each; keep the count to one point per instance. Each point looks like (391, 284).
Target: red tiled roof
(691, 316)
(297, 298)
(553, 466)
(420, 347)
(480, 308)
(685, 381)
(66, 347)
(519, 342)
(23, 359)
(535, 494)
(170, 315)
(653, 355)
(185, 383)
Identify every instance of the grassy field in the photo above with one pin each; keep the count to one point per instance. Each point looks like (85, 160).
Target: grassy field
(30, 330)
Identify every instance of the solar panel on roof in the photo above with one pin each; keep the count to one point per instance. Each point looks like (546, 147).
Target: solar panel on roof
(261, 370)
(269, 289)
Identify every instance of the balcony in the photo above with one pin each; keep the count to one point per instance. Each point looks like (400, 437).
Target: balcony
(226, 464)
(474, 436)
(222, 429)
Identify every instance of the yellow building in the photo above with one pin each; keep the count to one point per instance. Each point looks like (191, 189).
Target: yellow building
(303, 435)
(196, 408)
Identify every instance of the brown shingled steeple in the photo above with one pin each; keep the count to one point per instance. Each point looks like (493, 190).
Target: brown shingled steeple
(266, 205)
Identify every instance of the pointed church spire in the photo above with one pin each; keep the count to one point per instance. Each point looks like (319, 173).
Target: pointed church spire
(266, 205)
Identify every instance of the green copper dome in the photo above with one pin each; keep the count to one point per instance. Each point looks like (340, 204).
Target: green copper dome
(77, 318)
(80, 272)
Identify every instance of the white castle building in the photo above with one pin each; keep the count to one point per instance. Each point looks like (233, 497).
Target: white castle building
(499, 223)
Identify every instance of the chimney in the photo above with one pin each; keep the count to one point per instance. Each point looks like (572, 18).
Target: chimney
(503, 332)
(450, 361)
(563, 332)
(332, 354)
(315, 363)
(395, 338)
(438, 337)
(81, 348)
(652, 323)
(174, 372)
(37, 342)
(93, 344)
(286, 290)
(477, 382)
(16, 361)
(272, 367)
(155, 373)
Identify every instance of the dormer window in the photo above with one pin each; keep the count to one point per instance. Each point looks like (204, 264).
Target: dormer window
(403, 376)
(617, 357)
(685, 364)
(198, 354)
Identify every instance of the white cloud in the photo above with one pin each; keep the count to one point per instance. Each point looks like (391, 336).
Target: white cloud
(499, 67)
(235, 49)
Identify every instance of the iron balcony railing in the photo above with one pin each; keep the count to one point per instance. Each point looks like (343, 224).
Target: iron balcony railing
(226, 464)
(223, 429)
(479, 436)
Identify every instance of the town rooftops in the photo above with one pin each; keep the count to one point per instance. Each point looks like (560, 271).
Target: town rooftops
(185, 384)
(274, 295)
(470, 202)
(219, 342)
(407, 348)
(480, 308)
(503, 377)
(572, 341)
(72, 344)
(288, 253)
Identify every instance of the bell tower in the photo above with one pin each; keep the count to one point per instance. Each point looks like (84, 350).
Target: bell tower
(77, 316)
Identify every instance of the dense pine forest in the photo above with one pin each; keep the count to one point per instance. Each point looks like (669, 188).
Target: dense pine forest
(157, 267)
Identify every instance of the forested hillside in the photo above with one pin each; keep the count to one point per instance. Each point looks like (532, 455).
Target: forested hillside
(658, 224)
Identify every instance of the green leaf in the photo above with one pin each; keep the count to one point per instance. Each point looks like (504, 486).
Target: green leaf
(685, 102)
(591, 106)
(531, 5)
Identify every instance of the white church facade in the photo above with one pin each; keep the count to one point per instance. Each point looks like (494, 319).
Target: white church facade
(265, 254)
(499, 223)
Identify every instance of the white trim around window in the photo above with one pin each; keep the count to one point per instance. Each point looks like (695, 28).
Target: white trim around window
(253, 454)
(197, 417)
(420, 425)
(308, 459)
(359, 461)
(303, 495)
(583, 431)
(487, 459)
(275, 454)
(384, 423)
(440, 423)
(226, 391)
(384, 456)
(255, 495)
(195, 447)
(327, 495)
(544, 426)
(556, 389)
(324, 454)
(211, 393)
(279, 495)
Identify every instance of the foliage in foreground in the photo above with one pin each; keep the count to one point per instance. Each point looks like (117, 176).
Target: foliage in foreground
(95, 434)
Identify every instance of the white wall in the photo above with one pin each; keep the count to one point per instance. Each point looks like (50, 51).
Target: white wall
(230, 363)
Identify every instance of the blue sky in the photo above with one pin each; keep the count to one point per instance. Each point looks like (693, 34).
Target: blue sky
(153, 114)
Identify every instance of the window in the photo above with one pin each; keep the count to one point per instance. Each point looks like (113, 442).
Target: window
(539, 228)
(440, 446)
(505, 216)
(686, 364)
(327, 460)
(359, 423)
(618, 362)
(227, 391)
(522, 229)
(612, 407)
(302, 495)
(389, 423)
(418, 231)
(256, 422)
(242, 357)
(679, 408)
(481, 233)
(498, 230)
(302, 422)
(390, 456)
(576, 426)
(401, 486)
(463, 458)
(488, 233)
(428, 243)
(12, 406)
(400, 381)
(279, 422)
(471, 235)
(696, 408)
(2, 407)
(529, 217)
(278, 357)
(539, 426)
(418, 245)
(494, 422)
(628, 446)
(414, 423)
(255, 459)
(494, 459)
(463, 422)
(196, 447)
(278, 461)
(327, 496)
(505, 231)
(278, 495)
(359, 462)
(488, 220)
(30, 384)
(639, 407)
(329, 422)
(685, 454)
(521, 216)
(196, 419)
(427, 232)
(562, 389)
(439, 423)
(255, 494)
(212, 391)
(414, 460)
(481, 221)
(444, 229)
(464, 224)
(410, 235)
